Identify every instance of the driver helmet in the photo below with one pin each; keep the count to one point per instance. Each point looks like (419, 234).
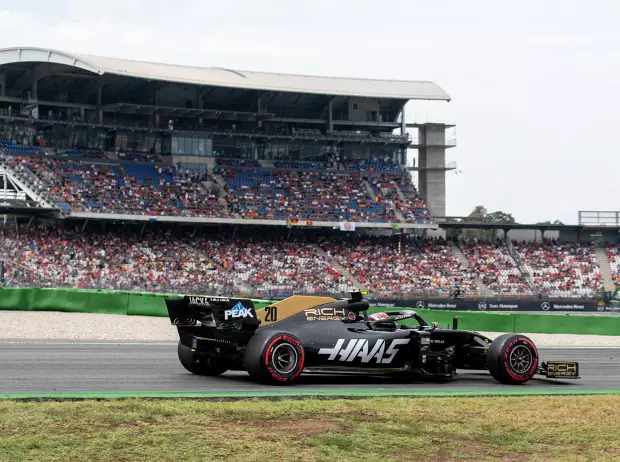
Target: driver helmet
(377, 317)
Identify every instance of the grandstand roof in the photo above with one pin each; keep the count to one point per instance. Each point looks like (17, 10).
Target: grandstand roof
(219, 77)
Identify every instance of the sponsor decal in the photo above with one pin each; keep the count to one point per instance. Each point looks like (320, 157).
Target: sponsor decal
(325, 314)
(568, 306)
(482, 306)
(199, 301)
(438, 341)
(419, 304)
(381, 352)
(238, 311)
(562, 369)
(441, 306)
(351, 316)
(545, 306)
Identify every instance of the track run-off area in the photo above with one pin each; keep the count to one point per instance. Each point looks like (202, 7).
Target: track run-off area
(81, 369)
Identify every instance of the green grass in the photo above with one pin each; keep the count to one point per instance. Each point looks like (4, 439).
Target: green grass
(515, 428)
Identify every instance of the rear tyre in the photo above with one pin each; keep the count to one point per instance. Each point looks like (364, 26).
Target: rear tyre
(274, 358)
(198, 364)
(512, 359)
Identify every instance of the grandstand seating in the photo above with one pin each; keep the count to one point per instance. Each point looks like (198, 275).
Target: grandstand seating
(301, 195)
(414, 267)
(238, 162)
(613, 254)
(496, 268)
(561, 269)
(408, 201)
(309, 165)
(122, 188)
(161, 260)
(315, 194)
(277, 264)
(373, 166)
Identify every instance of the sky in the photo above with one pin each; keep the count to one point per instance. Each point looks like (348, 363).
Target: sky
(535, 85)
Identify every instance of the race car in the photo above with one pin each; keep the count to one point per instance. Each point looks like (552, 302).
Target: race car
(305, 334)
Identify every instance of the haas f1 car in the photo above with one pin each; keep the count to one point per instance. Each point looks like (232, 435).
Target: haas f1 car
(320, 334)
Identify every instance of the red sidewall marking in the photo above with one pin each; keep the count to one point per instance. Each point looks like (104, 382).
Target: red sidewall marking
(532, 370)
(300, 364)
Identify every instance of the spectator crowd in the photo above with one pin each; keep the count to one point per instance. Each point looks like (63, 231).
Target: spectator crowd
(561, 269)
(248, 192)
(332, 263)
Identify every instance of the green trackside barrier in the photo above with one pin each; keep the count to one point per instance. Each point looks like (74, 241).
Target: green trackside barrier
(90, 301)
(149, 304)
(525, 323)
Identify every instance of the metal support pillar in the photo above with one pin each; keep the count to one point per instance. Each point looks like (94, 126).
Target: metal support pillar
(30, 221)
(99, 111)
(403, 124)
(330, 120)
(3, 84)
(143, 228)
(84, 226)
(194, 232)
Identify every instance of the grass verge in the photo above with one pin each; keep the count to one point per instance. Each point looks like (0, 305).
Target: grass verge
(516, 428)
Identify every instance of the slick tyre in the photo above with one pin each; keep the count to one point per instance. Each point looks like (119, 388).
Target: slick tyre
(274, 358)
(512, 359)
(198, 364)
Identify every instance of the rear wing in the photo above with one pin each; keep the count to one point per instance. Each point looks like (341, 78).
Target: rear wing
(223, 313)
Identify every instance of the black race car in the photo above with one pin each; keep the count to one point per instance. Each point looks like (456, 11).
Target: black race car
(320, 334)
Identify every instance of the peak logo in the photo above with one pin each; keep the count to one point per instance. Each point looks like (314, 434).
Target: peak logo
(382, 352)
(238, 311)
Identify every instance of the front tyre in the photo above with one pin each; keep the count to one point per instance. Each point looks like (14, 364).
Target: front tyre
(274, 358)
(198, 364)
(512, 359)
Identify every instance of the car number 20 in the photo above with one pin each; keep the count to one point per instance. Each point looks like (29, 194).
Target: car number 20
(271, 314)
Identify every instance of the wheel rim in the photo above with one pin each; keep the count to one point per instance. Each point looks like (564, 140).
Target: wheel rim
(284, 358)
(521, 359)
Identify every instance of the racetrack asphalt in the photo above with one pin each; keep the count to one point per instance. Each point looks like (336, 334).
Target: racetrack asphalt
(82, 367)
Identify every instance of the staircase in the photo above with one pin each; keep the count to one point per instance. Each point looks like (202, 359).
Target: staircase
(484, 289)
(221, 183)
(341, 269)
(525, 271)
(371, 193)
(401, 196)
(603, 263)
(369, 190)
(25, 181)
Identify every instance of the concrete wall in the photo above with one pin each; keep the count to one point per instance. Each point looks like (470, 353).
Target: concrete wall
(364, 105)
(432, 183)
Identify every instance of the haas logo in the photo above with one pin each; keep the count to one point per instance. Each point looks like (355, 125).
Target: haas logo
(382, 352)
(238, 311)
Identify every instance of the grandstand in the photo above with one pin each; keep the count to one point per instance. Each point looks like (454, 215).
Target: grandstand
(94, 150)
(116, 138)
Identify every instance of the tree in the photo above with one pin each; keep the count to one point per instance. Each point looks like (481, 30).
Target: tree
(555, 222)
(500, 217)
(479, 213)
